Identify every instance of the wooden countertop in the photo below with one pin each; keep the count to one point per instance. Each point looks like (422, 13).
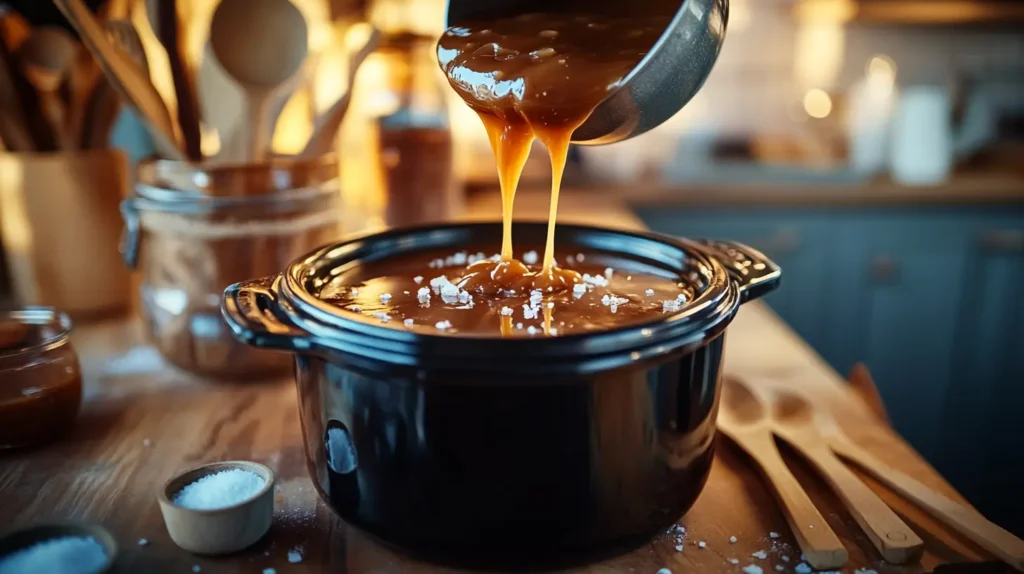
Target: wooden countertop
(971, 189)
(142, 422)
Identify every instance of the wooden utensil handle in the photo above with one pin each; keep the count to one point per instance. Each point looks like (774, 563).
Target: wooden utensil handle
(818, 542)
(895, 541)
(964, 520)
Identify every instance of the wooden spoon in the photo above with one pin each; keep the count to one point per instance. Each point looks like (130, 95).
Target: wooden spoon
(46, 58)
(793, 421)
(325, 129)
(964, 520)
(261, 44)
(131, 83)
(742, 417)
(166, 21)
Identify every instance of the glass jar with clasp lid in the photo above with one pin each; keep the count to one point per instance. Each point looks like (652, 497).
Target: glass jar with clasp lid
(192, 230)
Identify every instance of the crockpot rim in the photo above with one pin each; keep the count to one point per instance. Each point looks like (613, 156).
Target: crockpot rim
(714, 305)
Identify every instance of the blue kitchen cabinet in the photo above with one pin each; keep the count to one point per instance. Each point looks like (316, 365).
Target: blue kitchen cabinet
(982, 445)
(899, 284)
(798, 241)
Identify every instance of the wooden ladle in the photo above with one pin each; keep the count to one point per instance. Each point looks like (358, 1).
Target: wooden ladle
(961, 518)
(743, 418)
(261, 44)
(46, 58)
(793, 419)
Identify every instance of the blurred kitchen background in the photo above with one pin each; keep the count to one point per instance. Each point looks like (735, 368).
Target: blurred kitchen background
(873, 148)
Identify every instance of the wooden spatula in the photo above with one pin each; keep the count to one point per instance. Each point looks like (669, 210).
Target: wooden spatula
(743, 419)
(125, 76)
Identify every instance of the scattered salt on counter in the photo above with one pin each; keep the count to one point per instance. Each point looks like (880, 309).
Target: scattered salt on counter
(760, 554)
(732, 540)
(220, 490)
(67, 555)
(752, 569)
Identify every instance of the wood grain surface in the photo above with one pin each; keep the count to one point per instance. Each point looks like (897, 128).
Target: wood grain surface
(142, 422)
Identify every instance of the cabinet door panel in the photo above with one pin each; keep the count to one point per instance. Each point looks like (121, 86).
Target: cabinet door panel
(796, 241)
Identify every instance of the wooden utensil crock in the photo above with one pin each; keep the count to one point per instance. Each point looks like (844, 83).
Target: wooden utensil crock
(60, 227)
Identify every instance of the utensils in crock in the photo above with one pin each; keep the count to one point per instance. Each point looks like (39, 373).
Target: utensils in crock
(325, 128)
(261, 44)
(793, 420)
(661, 84)
(127, 78)
(743, 418)
(167, 23)
(221, 530)
(964, 520)
(40, 533)
(46, 58)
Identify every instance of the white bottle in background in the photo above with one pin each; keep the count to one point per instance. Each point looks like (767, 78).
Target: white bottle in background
(922, 137)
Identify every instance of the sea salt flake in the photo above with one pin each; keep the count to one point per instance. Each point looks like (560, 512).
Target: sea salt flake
(295, 555)
(64, 554)
(679, 547)
(802, 568)
(734, 561)
(732, 540)
(649, 292)
(529, 312)
(702, 544)
(530, 258)
(385, 297)
(598, 280)
(437, 282)
(532, 330)
(670, 305)
(418, 279)
(773, 534)
(760, 554)
(450, 291)
(423, 295)
(443, 325)
(579, 288)
(519, 325)
(664, 571)
(752, 569)
(784, 558)
(507, 311)
(779, 567)
(536, 296)
(608, 271)
(465, 297)
(408, 322)
(269, 571)
(460, 258)
(384, 317)
(579, 257)
(552, 331)
(143, 542)
(436, 264)
(220, 490)
(496, 258)
(551, 305)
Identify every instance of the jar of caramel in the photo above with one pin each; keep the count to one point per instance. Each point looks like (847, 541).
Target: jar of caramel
(40, 379)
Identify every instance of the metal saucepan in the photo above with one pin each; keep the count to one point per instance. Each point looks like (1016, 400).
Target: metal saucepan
(661, 84)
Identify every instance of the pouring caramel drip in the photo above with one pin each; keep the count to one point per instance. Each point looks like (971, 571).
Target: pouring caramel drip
(539, 76)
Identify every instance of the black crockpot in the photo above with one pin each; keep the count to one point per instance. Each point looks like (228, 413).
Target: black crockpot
(506, 453)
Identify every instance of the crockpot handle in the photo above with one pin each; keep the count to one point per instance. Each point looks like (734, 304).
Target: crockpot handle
(755, 274)
(251, 309)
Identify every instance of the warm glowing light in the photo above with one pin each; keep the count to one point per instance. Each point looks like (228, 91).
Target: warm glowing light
(819, 53)
(817, 103)
(882, 68)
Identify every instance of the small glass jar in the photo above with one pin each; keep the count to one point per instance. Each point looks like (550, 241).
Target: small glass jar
(194, 230)
(40, 379)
